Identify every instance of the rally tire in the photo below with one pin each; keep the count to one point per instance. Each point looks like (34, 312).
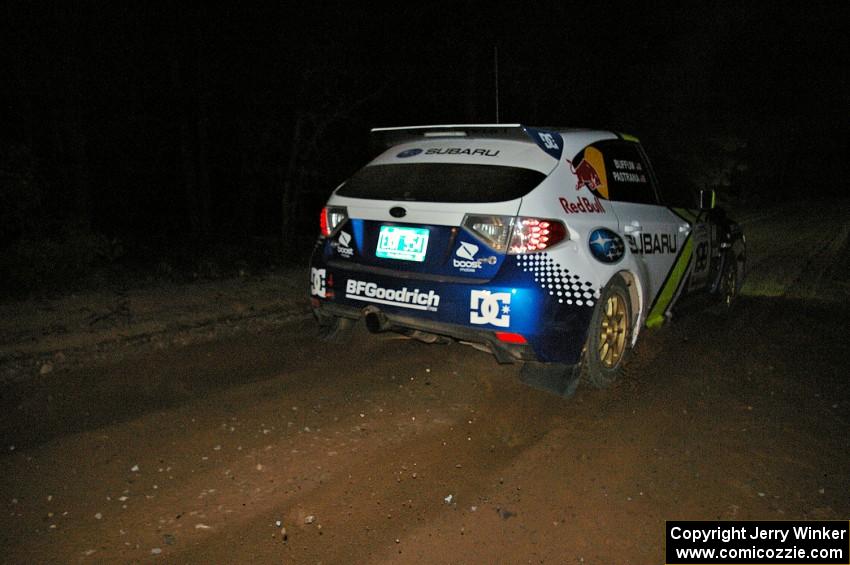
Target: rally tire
(609, 337)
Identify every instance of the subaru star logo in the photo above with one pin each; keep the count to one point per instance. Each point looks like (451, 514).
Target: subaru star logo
(409, 153)
(606, 246)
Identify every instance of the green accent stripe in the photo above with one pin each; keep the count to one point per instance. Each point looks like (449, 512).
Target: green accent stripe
(627, 137)
(671, 285)
(685, 214)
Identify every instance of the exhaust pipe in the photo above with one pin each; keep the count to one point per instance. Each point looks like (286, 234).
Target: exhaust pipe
(376, 321)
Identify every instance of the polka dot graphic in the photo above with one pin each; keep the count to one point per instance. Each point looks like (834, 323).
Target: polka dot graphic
(558, 281)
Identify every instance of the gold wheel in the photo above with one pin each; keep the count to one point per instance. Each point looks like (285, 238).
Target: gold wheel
(609, 340)
(612, 337)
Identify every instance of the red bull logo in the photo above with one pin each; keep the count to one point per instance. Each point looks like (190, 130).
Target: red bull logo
(591, 173)
(582, 206)
(587, 176)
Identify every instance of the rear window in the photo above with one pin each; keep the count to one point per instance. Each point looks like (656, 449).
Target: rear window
(441, 182)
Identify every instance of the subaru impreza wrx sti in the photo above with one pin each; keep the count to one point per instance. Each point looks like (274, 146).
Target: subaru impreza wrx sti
(549, 247)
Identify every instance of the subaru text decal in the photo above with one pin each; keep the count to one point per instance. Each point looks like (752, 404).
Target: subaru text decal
(652, 243)
(606, 246)
(462, 151)
(492, 308)
(402, 297)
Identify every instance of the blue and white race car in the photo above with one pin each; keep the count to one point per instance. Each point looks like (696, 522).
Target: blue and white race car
(549, 247)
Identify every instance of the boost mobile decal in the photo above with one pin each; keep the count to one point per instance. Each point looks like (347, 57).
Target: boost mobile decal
(465, 258)
(343, 245)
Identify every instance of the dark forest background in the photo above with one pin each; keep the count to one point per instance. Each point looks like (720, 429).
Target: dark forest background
(174, 141)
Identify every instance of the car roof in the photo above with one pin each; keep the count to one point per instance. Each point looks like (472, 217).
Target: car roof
(574, 139)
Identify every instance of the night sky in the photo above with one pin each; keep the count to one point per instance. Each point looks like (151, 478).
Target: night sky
(162, 126)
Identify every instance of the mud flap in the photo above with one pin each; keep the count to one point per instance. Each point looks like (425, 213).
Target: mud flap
(335, 330)
(556, 378)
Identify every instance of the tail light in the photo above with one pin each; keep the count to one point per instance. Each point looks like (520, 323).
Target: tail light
(515, 235)
(331, 218)
(535, 234)
(495, 231)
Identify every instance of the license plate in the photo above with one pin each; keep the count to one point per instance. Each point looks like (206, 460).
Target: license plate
(406, 244)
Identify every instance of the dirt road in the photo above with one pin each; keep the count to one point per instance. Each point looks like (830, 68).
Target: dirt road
(386, 450)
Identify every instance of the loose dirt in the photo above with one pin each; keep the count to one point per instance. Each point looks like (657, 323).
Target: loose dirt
(387, 450)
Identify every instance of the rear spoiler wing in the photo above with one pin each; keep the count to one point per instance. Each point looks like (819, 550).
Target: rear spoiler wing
(549, 141)
(387, 137)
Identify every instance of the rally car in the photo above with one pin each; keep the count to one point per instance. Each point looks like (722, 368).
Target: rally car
(545, 246)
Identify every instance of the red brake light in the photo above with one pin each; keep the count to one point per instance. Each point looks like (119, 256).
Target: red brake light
(536, 234)
(509, 337)
(331, 218)
(323, 222)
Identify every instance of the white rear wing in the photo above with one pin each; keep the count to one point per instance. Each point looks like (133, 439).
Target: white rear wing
(552, 140)
(387, 137)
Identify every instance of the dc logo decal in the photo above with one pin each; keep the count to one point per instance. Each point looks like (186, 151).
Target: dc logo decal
(606, 246)
(409, 153)
(317, 282)
(492, 308)
(548, 141)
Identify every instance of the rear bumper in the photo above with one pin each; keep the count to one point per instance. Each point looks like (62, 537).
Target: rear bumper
(504, 352)
(532, 296)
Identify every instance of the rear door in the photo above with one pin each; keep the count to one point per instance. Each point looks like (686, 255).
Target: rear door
(654, 234)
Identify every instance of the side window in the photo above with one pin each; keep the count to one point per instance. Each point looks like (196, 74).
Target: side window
(616, 170)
